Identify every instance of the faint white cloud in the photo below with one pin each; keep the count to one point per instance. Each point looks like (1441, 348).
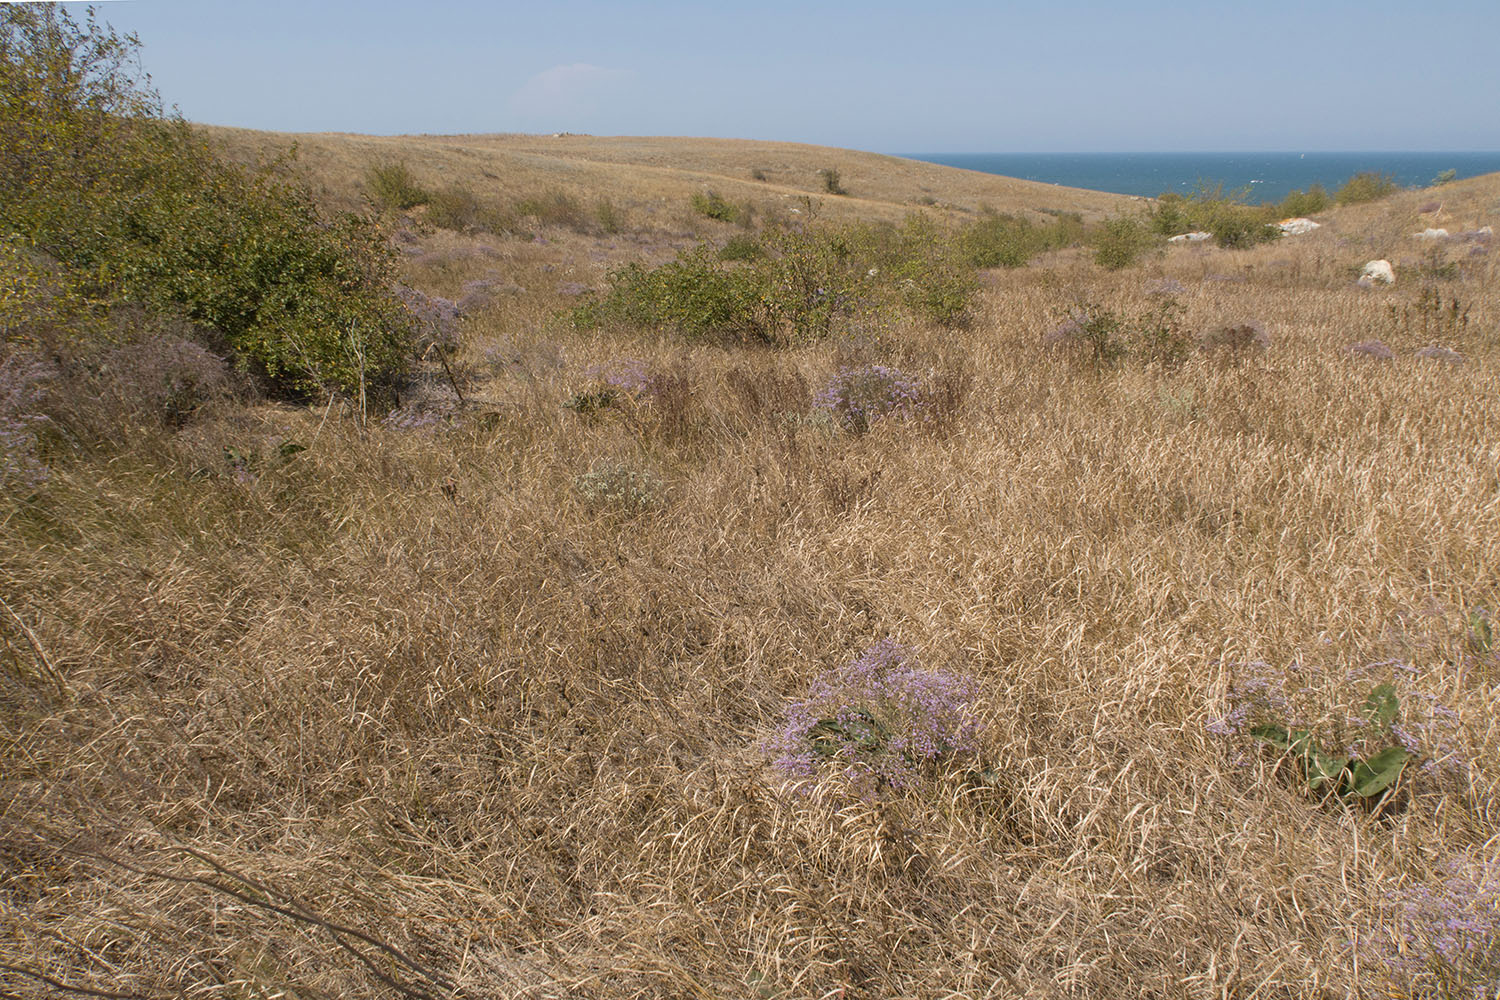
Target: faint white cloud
(578, 88)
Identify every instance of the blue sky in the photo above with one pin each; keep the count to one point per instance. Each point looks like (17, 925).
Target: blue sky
(892, 77)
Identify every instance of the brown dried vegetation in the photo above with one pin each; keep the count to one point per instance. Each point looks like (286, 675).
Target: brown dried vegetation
(406, 715)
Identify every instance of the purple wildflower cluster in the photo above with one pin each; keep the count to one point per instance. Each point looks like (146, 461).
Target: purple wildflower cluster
(165, 376)
(1236, 339)
(1070, 331)
(22, 381)
(1257, 694)
(436, 318)
(880, 720)
(1447, 935)
(860, 395)
(424, 415)
(1260, 694)
(631, 376)
(1371, 349)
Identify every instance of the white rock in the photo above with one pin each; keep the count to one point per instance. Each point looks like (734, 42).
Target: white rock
(1433, 234)
(1297, 226)
(1190, 238)
(1377, 271)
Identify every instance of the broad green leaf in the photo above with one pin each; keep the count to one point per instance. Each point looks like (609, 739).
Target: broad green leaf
(1372, 777)
(1382, 707)
(1324, 769)
(1278, 736)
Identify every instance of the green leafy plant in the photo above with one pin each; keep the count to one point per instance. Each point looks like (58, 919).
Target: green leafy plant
(999, 240)
(1120, 242)
(1365, 186)
(96, 178)
(1299, 203)
(1234, 224)
(712, 205)
(742, 247)
(1366, 777)
(611, 220)
(393, 186)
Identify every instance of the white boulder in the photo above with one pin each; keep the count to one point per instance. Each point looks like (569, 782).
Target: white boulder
(1197, 237)
(1433, 234)
(1297, 226)
(1377, 272)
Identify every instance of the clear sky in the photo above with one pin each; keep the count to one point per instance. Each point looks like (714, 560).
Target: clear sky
(940, 75)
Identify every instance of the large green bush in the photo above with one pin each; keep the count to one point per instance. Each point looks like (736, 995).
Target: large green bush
(797, 286)
(1000, 240)
(1120, 241)
(1210, 209)
(1365, 186)
(98, 178)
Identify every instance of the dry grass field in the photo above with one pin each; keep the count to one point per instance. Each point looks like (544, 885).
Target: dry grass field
(480, 706)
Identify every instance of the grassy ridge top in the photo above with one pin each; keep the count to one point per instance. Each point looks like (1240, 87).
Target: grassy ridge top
(647, 170)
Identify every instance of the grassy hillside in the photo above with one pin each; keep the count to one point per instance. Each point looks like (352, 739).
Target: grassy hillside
(654, 177)
(486, 699)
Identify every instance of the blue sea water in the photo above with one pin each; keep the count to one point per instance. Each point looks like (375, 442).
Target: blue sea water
(1264, 176)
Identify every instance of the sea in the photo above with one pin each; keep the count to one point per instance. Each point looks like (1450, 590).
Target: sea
(1261, 177)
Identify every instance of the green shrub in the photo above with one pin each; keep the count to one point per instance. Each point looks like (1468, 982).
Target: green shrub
(95, 177)
(1365, 186)
(742, 247)
(694, 296)
(1120, 241)
(1444, 177)
(1298, 203)
(998, 240)
(393, 186)
(455, 208)
(1234, 224)
(932, 277)
(611, 220)
(710, 204)
(793, 287)
(832, 183)
(555, 208)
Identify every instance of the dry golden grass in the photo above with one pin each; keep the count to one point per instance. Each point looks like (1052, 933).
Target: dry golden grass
(653, 178)
(408, 715)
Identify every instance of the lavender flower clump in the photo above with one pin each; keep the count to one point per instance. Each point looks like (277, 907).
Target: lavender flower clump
(858, 396)
(21, 392)
(1260, 695)
(423, 415)
(632, 376)
(1257, 694)
(1165, 286)
(1071, 330)
(436, 318)
(1447, 935)
(1371, 349)
(880, 720)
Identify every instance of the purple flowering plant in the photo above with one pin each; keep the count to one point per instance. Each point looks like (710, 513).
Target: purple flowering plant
(858, 396)
(423, 415)
(614, 382)
(1373, 744)
(1446, 939)
(22, 388)
(880, 721)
